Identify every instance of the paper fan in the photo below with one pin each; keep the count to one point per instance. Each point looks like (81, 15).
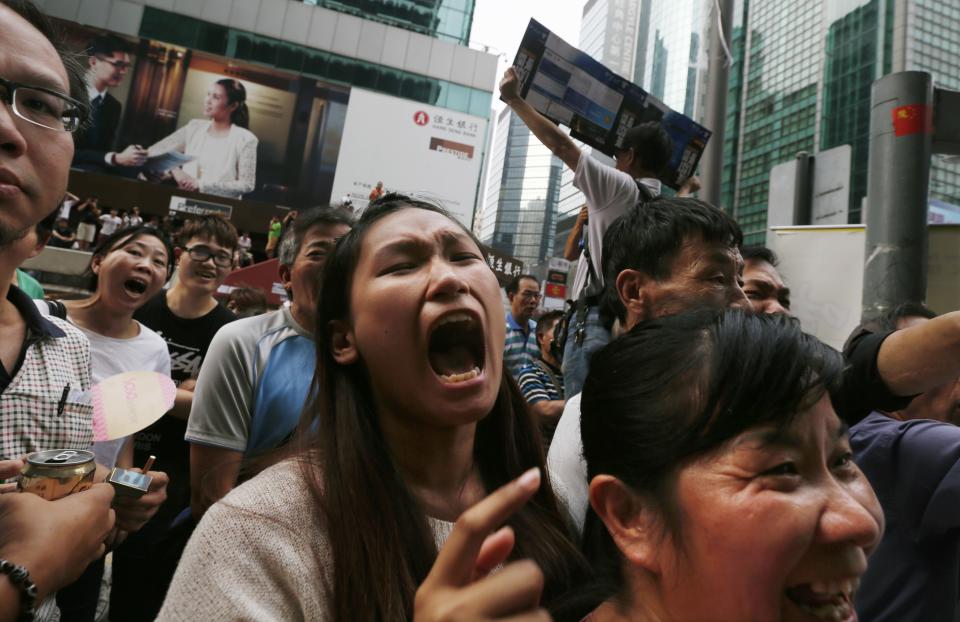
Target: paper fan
(127, 403)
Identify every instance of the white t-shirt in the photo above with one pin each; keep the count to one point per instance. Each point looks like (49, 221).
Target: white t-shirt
(109, 356)
(566, 466)
(609, 194)
(109, 224)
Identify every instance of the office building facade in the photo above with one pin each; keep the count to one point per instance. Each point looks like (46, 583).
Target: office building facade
(801, 81)
(448, 20)
(519, 211)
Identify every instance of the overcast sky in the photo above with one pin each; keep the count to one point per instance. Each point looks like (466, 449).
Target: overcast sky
(500, 24)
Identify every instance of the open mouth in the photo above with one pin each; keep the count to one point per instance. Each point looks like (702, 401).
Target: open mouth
(456, 348)
(205, 274)
(826, 600)
(135, 286)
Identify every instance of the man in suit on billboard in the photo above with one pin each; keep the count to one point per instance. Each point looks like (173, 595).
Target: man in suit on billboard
(108, 64)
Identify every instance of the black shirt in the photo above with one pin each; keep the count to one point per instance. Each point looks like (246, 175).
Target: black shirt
(66, 231)
(187, 340)
(863, 390)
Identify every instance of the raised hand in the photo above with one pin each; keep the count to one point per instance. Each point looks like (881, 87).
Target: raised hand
(459, 586)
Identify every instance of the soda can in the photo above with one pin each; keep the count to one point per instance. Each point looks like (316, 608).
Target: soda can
(56, 473)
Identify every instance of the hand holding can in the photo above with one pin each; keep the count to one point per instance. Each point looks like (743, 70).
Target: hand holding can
(55, 540)
(56, 473)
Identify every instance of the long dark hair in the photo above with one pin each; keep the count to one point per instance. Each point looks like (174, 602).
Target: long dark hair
(676, 387)
(236, 94)
(380, 540)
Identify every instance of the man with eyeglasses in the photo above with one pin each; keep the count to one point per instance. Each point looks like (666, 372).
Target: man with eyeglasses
(108, 65)
(44, 361)
(521, 349)
(187, 316)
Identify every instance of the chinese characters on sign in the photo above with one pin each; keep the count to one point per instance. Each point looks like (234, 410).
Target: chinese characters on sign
(504, 266)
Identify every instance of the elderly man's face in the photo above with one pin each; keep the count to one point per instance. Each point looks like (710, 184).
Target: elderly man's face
(304, 274)
(34, 161)
(703, 274)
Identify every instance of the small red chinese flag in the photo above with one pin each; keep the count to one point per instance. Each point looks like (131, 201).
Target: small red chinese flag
(912, 119)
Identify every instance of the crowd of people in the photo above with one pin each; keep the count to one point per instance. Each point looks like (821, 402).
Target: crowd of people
(394, 444)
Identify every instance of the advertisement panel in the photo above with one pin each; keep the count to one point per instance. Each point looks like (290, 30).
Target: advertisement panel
(599, 106)
(413, 148)
(198, 122)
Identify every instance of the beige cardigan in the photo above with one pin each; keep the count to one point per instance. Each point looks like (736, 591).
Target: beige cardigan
(254, 555)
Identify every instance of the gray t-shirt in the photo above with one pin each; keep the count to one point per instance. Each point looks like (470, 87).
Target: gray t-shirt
(253, 383)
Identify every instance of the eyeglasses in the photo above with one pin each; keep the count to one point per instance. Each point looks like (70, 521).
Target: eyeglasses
(42, 106)
(528, 295)
(120, 65)
(202, 253)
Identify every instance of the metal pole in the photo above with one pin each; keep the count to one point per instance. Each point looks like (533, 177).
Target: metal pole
(803, 190)
(715, 114)
(901, 136)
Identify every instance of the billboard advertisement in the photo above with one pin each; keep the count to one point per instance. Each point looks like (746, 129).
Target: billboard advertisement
(198, 122)
(599, 106)
(413, 148)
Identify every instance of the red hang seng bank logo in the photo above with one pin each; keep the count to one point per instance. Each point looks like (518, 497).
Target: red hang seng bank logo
(421, 118)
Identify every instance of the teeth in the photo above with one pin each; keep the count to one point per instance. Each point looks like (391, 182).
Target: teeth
(831, 612)
(844, 587)
(455, 378)
(454, 317)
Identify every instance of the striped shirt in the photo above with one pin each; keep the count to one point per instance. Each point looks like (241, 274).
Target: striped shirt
(521, 349)
(539, 382)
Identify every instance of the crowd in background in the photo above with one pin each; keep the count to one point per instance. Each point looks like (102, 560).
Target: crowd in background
(394, 444)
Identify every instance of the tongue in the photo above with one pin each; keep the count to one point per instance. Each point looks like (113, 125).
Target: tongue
(453, 360)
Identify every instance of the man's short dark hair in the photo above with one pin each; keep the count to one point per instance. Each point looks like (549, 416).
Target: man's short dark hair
(212, 227)
(755, 252)
(76, 70)
(514, 285)
(289, 246)
(107, 45)
(649, 237)
(651, 144)
(546, 320)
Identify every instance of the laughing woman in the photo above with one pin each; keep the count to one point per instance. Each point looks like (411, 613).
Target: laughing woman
(413, 422)
(723, 484)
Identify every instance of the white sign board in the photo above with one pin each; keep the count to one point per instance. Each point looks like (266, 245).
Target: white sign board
(413, 148)
(823, 267)
(831, 189)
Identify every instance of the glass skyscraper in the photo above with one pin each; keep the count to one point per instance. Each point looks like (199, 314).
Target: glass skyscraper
(519, 213)
(801, 81)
